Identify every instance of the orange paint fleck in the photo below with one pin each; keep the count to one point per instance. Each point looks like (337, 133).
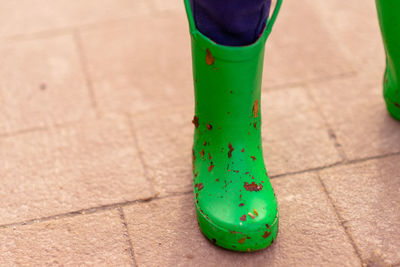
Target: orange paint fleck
(255, 108)
(242, 240)
(209, 57)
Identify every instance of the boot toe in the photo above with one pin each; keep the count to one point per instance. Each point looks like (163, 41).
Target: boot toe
(248, 226)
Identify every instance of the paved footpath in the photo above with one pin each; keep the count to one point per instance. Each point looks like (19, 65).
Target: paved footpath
(96, 102)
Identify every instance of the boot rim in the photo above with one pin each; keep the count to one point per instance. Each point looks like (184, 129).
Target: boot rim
(230, 53)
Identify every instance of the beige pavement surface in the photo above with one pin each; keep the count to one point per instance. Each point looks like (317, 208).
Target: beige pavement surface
(96, 103)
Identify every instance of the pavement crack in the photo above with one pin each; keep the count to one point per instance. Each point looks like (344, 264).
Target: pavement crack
(127, 236)
(341, 220)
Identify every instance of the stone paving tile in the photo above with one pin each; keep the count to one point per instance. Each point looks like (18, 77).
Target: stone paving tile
(85, 240)
(70, 168)
(41, 83)
(367, 196)
(166, 232)
(294, 136)
(354, 25)
(165, 138)
(31, 16)
(355, 109)
(137, 68)
(300, 48)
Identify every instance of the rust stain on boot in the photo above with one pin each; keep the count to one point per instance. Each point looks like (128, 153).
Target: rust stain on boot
(241, 204)
(199, 186)
(253, 186)
(209, 57)
(202, 153)
(209, 156)
(242, 240)
(254, 158)
(266, 234)
(255, 125)
(195, 121)
(209, 126)
(211, 167)
(243, 218)
(255, 109)
(230, 150)
(397, 105)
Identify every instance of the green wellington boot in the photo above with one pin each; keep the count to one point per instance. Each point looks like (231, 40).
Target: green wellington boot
(235, 203)
(389, 20)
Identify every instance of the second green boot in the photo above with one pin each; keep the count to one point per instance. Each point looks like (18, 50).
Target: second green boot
(389, 19)
(235, 204)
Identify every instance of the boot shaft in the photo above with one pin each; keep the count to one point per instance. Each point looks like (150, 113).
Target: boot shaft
(227, 93)
(389, 20)
(227, 82)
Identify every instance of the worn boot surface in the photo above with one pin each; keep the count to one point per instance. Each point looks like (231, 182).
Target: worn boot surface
(234, 200)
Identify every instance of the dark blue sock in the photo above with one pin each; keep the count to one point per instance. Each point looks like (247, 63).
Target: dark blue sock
(231, 22)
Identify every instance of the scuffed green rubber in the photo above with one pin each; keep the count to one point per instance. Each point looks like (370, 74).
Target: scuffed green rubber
(235, 203)
(389, 19)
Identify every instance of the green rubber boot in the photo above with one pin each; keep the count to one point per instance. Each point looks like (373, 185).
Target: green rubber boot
(389, 20)
(235, 203)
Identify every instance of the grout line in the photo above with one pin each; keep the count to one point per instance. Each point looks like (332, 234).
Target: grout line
(127, 236)
(75, 122)
(89, 210)
(44, 34)
(136, 144)
(47, 127)
(23, 131)
(337, 164)
(62, 30)
(331, 132)
(85, 69)
(160, 108)
(344, 75)
(341, 220)
(53, 32)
